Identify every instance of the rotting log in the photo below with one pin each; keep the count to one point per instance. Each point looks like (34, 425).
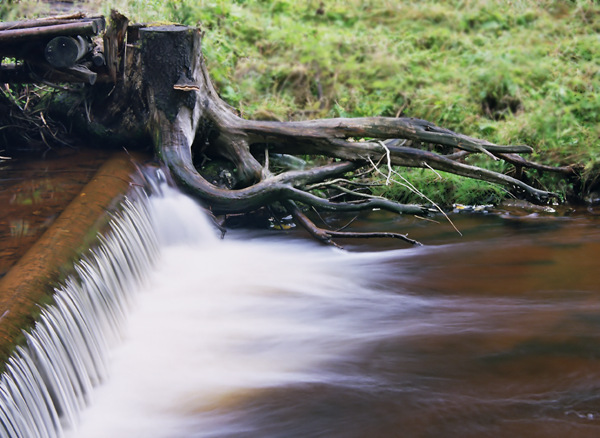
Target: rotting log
(52, 50)
(30, 282)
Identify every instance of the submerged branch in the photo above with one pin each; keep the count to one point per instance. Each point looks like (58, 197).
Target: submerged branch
(325, 236)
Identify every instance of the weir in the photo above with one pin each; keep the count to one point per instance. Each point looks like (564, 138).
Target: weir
(48, 381)
(51, 378)
(28, 282)
(264, 335)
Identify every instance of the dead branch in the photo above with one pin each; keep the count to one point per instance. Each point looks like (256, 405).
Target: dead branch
(326, 236)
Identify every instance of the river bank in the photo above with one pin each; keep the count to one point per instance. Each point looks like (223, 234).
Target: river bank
(511, 73)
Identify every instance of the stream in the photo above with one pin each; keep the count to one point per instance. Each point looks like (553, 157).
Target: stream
(495, 332)
(269, 334)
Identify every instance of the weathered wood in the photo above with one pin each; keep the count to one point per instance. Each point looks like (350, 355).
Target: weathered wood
(114, 44)
(19, 74)
(65, 51)
(53, 50)
(44, 21)
(86, 28)
(378, 127)
(98, 58)
(80, 73)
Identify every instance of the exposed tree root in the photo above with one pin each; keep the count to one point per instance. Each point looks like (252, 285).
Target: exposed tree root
(162, 89)
(204, 123)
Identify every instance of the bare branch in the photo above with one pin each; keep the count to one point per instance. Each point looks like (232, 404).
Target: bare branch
(367, 204)
(375, 127)
(325, 236)
(516, 160)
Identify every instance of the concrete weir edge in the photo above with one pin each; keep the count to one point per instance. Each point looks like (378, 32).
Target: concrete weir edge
(30, 283)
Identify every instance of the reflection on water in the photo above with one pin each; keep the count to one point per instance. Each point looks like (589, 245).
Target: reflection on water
(32, 194)
(494, 334)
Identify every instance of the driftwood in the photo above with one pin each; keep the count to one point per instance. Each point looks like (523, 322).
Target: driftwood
(158, 90)
(44, 21)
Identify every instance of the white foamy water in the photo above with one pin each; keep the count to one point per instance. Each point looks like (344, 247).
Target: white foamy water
(221, 319)
(265, 336)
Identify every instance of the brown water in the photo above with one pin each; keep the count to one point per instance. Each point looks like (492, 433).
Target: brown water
(510, 340)
(496, 333)
(493, 333)
(33, 192)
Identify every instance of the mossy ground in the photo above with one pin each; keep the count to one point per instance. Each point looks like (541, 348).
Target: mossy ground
(512, 72)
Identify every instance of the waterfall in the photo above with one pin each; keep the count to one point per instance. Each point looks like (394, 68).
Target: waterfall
(49, 380)
(166, 331)
(215, 322)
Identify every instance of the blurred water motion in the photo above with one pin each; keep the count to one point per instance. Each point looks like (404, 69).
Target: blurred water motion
(257, 336)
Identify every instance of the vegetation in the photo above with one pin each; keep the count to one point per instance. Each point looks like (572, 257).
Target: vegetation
(513, 72)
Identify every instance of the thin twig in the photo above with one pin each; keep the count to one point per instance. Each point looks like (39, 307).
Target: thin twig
(427, 219)
(318, 214)
(412, 188)
(389, 162)
(265, 172)
(371, 235)
(433, 170)
(433, 203)
(352, 192)
(339, 180)
(348, 224)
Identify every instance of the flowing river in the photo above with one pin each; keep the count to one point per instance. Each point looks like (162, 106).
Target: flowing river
(269, 334)
(496, 333)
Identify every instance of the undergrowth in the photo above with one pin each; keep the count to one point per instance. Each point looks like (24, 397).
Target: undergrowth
(512, 72)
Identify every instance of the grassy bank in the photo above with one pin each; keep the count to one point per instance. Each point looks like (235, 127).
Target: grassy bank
(511, 72)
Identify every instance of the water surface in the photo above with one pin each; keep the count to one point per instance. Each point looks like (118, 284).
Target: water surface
(496, 333)
(33, 193)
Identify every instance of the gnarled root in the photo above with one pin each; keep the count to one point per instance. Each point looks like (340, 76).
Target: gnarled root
(202, 118)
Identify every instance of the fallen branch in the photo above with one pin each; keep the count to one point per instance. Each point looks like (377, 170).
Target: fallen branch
(326, 236)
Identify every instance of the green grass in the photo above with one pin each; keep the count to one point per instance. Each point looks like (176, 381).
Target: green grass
(424, 186)
(517, 72)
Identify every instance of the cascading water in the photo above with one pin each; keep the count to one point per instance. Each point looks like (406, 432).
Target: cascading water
(48, 381)
(259, 336)
(226, 314)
